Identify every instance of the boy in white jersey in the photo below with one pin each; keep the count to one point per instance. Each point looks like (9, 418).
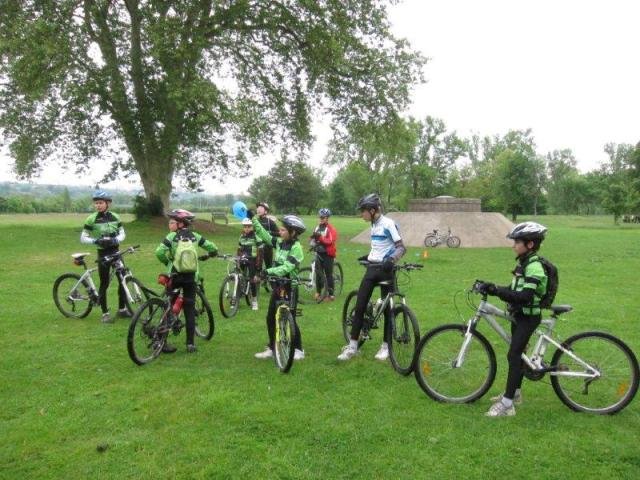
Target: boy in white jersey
(386, 250)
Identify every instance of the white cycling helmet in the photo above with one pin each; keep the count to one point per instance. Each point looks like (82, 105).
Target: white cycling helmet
(246, 221)
(527, 231)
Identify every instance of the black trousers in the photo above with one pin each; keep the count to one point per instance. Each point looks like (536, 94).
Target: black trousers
(521, 331)
(187, 283)
(104, 274)
(271, 316)
(325, 264)
(249, 270)
(372, 278)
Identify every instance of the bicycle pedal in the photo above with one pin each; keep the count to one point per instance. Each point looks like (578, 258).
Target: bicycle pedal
(298, 312)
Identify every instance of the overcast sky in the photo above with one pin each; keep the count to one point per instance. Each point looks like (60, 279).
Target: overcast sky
(567, 69)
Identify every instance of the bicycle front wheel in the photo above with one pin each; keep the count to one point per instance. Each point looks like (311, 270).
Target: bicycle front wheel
(616, 382)
(435, 368)
(453, 241)
(71, 296)
(137, 292)
(147, 334)
(307, 290)
(285, 337)
(338, 279)
(205, 325)
(405, 336)
(228, 297)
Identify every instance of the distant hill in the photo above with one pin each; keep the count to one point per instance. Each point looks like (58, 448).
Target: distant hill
(121, 197)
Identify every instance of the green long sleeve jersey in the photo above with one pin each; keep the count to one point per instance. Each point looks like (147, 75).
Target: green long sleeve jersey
(288, 255)
(165, 252)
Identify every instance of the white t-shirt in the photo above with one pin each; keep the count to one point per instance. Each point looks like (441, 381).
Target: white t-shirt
(384, 235)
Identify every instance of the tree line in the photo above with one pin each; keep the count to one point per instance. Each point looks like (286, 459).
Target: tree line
(423, 159)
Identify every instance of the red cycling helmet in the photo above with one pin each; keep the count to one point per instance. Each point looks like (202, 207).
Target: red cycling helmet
(184, 216)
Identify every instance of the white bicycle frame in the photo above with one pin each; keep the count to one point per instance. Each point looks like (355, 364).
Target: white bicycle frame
(489, 312)
(87, 277)
(232, 269)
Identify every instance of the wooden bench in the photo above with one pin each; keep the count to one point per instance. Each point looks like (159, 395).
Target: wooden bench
(220, 214)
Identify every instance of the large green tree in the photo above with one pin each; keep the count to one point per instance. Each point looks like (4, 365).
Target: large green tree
(190, 87)
(290, 186)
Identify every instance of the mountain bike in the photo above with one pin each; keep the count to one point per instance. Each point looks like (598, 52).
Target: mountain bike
(284, 347)
(161, 316)
(591, 372)
(313, 281)
(435, 238)
(75, 295)
(405, 331)
(235, 285)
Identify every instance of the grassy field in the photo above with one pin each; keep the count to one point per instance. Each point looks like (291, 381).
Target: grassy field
(75, 406)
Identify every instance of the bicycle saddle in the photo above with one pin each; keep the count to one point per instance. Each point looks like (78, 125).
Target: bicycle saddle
(558, 309)
(79, 256)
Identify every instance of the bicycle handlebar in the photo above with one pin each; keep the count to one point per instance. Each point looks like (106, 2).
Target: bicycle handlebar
(119, 253)
(402, 266)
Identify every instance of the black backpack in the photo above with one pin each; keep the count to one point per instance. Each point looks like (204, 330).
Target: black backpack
(551, 271)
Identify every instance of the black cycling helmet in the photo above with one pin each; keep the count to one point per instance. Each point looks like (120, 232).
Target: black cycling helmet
(184, 216)
(101, 195)
(369, 201)
(528, 231)
(293, 222)
(324, 212)
(263, 204)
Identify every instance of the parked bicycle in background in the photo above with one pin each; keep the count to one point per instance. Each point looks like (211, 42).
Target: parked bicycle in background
(436, 238)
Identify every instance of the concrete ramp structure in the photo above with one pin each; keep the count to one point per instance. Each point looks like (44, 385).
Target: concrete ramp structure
(476, 229)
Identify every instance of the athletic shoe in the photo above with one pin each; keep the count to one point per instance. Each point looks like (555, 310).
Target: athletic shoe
(348, 352)
(517, 399)
(191, 348)
(124, 313)
(298, 354)
(317, 296)
(268, 353)
(330, 298)
(499, 409)
(254, 304)
(383, 353)
(106, 318)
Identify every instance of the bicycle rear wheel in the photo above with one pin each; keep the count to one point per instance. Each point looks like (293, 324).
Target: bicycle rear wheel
(348, 310)
(138, 294)
(430, 240)
(228, 297)
(405, 336)
(205, 324)
(611, 357)
(285, 337)
(434, 365)
(147, 331)
(71, 296)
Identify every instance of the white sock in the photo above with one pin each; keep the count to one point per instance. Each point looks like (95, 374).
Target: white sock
(507, 402)
(353, 344)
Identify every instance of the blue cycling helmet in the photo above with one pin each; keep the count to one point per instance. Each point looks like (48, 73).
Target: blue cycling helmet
(101, 195)
(324, 212)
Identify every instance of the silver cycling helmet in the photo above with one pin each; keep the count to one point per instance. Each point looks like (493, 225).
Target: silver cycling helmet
(293, 222)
